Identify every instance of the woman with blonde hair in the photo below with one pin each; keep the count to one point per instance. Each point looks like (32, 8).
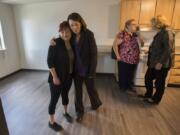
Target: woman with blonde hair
(127, 52)
(159, 22)
(160, 60)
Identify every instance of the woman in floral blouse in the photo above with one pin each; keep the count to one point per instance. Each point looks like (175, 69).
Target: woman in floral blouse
(127, 51)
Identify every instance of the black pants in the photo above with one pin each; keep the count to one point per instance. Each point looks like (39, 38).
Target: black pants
(92, 92)
(160, 79)
(56, 91)
(126, 74)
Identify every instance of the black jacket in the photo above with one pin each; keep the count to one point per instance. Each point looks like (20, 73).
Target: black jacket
(161, 49)
(59, 59)
(88, 51)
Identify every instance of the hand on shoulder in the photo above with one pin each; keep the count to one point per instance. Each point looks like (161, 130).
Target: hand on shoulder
(52, 42)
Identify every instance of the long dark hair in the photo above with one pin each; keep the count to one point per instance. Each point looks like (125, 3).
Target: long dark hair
(77, 17)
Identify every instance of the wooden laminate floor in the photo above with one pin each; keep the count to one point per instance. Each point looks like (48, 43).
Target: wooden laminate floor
(26, 95)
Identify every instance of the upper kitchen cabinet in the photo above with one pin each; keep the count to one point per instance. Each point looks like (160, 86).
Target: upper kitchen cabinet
(166, 8)
(129, 9)
(144, 10)
(147, 12)
(176, 16)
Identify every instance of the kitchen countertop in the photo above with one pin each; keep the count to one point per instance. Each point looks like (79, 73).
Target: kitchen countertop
(107, 49)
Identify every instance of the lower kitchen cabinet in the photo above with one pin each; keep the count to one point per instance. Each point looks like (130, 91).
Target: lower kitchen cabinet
(175, 72)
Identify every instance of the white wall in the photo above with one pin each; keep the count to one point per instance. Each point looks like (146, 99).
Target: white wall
(9, 59)
(37, 23)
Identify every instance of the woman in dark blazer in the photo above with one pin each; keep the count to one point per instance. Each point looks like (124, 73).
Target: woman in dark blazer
(160, 60)
(85, 50)
(60, 62)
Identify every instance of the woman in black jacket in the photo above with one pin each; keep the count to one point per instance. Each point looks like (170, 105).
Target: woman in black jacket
(85, 50)
(60, 62)
(160, 60)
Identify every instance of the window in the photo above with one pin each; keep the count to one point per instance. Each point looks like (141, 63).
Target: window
(2, 45)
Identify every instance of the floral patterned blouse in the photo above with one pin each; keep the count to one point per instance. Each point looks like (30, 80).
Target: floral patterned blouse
(129, 49)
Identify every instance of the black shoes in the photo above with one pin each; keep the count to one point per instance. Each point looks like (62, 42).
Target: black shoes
(151, 101)
(131, 91)
(148, 99)
(56, 127)
(96, 107)
(68, 117)
(79, 117)
(144, 96)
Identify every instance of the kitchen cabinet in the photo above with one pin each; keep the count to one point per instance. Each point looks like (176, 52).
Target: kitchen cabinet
(176, 16)
(174, 80)
(129, 9)
(147, 11)
(166, 8)
(175, 72)
(144, 10)
(104, 62)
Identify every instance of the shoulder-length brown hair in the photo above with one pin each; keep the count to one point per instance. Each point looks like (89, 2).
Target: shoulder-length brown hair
(64, 25)
(77, 17)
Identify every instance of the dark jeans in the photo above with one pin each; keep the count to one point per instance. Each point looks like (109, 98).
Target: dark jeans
(126, 74)
(160, 79)
(56, 91)
(92, 92)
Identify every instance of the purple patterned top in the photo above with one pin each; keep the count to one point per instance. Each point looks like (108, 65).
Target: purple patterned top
(129, 49)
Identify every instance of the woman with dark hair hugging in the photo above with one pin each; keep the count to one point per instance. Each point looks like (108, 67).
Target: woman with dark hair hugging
(85, 50)
(60, 62)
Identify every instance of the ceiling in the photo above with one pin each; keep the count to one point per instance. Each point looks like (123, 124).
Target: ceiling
(26, 1)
